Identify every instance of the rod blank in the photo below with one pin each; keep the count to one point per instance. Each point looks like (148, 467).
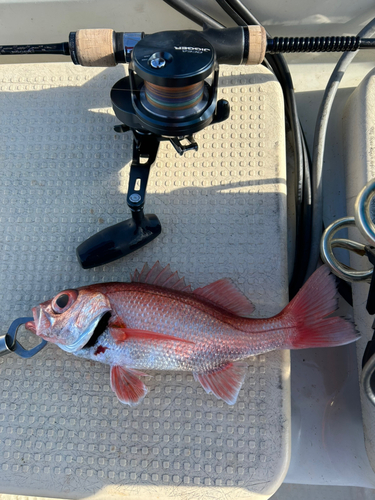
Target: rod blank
(61, 49)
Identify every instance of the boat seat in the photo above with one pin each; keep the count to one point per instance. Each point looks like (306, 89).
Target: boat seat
(64, 170)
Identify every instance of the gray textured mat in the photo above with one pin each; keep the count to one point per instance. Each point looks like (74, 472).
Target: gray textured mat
(64, 175)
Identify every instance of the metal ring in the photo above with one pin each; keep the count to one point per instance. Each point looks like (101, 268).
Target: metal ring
(327, 243)
(353, 246)
(362, 212)
(368, 372)
(9, 344)
(5, 344)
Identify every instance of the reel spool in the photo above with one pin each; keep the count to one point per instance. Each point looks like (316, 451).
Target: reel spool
(166, 92)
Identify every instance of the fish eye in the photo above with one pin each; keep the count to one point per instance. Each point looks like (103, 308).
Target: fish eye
(64, 300)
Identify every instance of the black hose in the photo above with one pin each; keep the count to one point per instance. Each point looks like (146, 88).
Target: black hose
(194, 14)
(231, 12)
(282, 73)
(243, 12)
(303, 246)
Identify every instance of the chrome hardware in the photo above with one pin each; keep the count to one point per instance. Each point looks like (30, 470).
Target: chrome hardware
(9, 343)
(361, 220)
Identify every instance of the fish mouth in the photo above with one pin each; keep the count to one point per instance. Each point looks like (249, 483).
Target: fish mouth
(33, 326)
(87, 334)
(30, 325)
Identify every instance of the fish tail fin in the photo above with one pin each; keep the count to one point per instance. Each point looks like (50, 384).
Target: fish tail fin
(308, 315)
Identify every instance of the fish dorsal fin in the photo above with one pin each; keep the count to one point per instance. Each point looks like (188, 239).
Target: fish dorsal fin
(122, 334)
(160, 276)
(224, 294)
(224, 382)
(126, 385)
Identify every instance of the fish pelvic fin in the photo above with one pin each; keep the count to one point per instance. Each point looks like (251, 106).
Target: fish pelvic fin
(127, 386)
(224, 382)
(308, 315)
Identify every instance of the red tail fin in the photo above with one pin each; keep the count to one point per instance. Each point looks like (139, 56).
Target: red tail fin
(308, 312)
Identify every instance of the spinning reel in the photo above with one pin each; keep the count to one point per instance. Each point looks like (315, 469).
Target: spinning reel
(165, 97)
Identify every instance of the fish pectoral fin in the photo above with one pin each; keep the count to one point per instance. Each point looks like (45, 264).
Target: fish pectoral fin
(224, 382)
(126, 385)
(118, 334)
(122, 334)
(224, 294)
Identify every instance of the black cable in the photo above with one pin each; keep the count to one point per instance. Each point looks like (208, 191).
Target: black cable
(303, 246)
(231, 12)
(283, 75)
(194, 14)
(244, 12)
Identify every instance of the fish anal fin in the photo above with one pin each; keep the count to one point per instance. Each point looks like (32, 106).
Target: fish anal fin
(122, 334)
(127, 386)
(224, 294)
(224, 382)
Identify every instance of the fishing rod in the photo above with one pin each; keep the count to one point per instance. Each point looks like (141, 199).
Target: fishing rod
(167, 97)
(105, 47)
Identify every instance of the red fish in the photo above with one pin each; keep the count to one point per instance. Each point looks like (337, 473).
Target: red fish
(156, 322)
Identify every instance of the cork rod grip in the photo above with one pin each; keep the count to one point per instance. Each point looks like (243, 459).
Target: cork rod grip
(257, 44)
(95, 47)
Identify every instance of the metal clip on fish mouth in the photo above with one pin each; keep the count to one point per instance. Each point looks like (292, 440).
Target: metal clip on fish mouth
(362, 221)
(9, 344)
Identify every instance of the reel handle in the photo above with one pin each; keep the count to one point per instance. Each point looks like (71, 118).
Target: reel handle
(119, 240)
